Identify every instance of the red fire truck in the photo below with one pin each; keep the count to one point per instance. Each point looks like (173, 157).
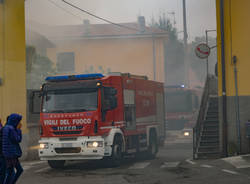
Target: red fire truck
(182, 108)
(92, 116)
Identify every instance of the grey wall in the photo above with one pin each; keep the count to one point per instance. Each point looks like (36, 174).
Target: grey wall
(244, 104)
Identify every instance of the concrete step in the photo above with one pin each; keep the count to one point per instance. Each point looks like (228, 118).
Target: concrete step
(213, 108)
(215, 143)
(212, 120)
(210, 138)
(210, 131)
(212, 117)
(211, 124)
(209, 142)
(213, 99)
(209, 145)
(212, 111)
(212, 114)
(208, 148)
(215, 133)
(208, 155)
(215, 105)
(211, 128)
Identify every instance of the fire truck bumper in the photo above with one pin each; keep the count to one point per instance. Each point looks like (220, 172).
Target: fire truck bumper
(73, 148)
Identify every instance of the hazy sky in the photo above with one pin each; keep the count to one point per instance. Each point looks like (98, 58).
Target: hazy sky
(201, 14)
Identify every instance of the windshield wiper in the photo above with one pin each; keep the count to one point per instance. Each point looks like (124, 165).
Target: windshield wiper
(69, 111)
(80, 110)
(56, 111)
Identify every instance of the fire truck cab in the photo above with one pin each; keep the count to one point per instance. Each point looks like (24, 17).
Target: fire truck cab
(182, 110)
(92, 116)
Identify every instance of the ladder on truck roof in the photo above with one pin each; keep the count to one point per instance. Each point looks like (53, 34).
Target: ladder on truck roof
(128, 75)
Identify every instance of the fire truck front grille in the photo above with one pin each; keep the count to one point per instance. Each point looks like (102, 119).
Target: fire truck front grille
(68, 150)
(68, 138)
(67, 132)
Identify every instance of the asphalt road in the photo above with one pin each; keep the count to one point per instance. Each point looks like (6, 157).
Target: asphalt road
(173, 165)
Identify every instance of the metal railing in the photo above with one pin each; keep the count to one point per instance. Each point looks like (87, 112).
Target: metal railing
(201, 117)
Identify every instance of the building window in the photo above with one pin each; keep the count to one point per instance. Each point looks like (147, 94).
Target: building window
(66, 62)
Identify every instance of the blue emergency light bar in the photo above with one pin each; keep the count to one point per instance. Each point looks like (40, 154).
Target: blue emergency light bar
(74, 77)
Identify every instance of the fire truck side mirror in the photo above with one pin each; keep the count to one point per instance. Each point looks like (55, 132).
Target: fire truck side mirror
(196, 102)
(113, 102)
(106, 105)
(110, 103)
(110, 91)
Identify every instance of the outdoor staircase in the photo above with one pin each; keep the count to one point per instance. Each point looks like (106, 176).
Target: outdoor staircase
(206, 131)
(208, 146)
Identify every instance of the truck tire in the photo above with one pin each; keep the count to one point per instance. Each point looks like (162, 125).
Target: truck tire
(117, 155)
(56, 164)
(153, 146)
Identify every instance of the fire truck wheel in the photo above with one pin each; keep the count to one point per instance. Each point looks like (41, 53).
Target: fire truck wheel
(153, 146)
(117, 156)
(56, 164)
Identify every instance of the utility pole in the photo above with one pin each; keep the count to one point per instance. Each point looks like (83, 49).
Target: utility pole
(154, 57)
(185, 23)
(186, 64)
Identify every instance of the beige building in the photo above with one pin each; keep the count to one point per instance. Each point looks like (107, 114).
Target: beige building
(104, 48)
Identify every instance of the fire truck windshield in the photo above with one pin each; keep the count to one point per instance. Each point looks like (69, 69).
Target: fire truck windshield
(77, 100)
(180, 101)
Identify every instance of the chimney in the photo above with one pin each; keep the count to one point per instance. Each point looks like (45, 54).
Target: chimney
(141, 22)
(86, 24)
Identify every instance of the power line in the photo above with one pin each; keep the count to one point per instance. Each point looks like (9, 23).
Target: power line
(55, 4)
(103, 19)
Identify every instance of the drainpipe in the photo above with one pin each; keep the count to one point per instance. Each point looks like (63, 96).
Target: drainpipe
(154, 57)
(224, 97)
(237, 105)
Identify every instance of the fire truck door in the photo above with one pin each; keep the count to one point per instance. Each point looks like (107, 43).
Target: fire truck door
(129, 109)
(110, 103)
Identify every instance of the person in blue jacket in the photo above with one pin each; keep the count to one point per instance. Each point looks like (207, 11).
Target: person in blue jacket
(2, 160)
(12, 136)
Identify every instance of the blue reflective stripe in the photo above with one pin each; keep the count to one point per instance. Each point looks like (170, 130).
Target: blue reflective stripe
(74, 77)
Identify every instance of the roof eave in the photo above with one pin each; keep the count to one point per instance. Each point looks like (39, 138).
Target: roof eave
(128, 36)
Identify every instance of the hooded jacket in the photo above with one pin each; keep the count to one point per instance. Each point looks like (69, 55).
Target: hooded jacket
(12, 137)
(1, 139)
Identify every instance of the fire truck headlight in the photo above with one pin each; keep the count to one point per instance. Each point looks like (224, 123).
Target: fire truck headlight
(44, 146)
(94, 144)
(186, 133)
